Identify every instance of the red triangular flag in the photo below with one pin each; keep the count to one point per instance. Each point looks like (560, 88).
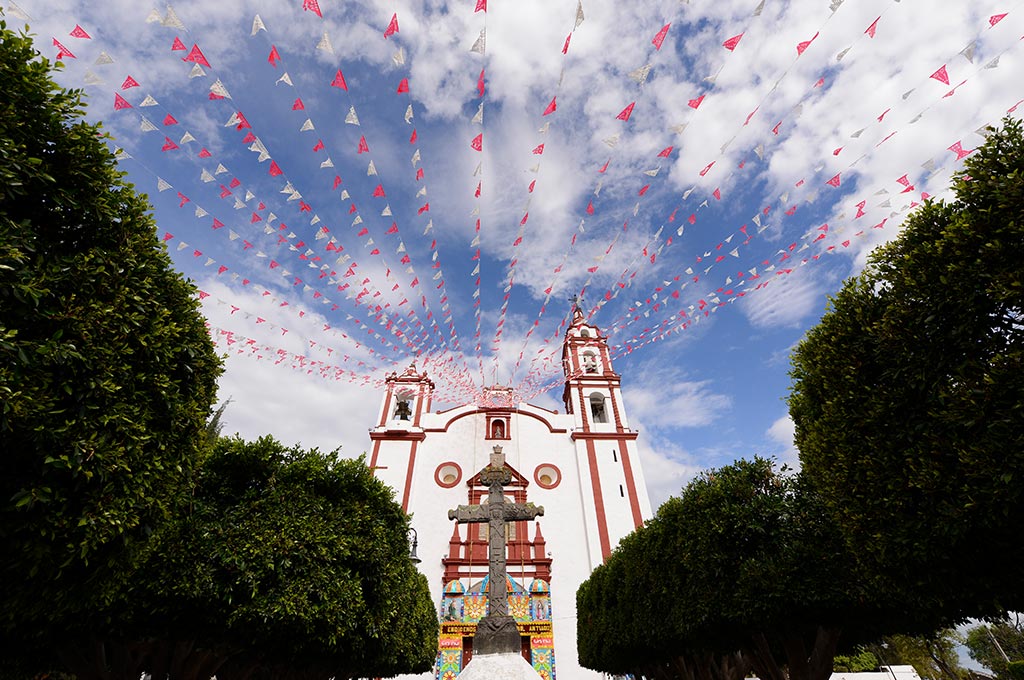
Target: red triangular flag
(203, 153)
(805, 44)
(666, 152)
(481, 6)
(940, 75)
(425, 208)
(717, 193)
(319, 145)
(539, 150)
(958, 149)
(195, 55)
(403, 86)
(339, 81)
(129, 82)
(590, 208)
(169, 120)
(393, 229)
(363, 148)
(392, 27)
(275, 169)
(478, 142)
(120, 102)
(480, 84)
(177, 45)
(274, 56)
(168, 144)
(695, 103)
(872, 28)
(551, 107)
(605, 166)
(298, 105)
(626, 112)
(992, 20)
(79, 32)
(413, 137)
(419, 174)
(379, 191)
(62, 51)
(217, 224)
(312, 6)
(565, 47)
(732, 42)
(834, 181)
(660, 37)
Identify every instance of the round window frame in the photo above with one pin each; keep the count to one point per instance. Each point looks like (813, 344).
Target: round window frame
(439, 480)
(544, 467)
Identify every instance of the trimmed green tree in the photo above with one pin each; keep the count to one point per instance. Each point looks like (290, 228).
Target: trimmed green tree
(284, 562)
(742, 572)
(997, 644)
(107, 373)
(908, 400)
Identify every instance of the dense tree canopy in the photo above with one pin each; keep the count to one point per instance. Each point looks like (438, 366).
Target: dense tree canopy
(909, 399)
(284, 563)
(741, 572)
(107, 373)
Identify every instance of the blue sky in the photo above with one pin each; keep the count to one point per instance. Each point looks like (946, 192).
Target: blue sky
(817, 115)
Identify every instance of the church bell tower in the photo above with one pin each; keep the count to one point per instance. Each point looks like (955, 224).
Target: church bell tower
(606, 446)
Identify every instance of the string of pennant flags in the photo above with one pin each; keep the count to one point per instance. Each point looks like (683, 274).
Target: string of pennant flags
(390, 315)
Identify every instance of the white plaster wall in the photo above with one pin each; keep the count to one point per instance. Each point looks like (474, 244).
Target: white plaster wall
(569, 524)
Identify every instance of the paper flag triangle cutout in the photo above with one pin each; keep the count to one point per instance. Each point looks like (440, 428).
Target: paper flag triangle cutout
(732, 42)
(79, 32)
(195, 56)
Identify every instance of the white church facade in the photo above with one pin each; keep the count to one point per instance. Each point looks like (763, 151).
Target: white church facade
(580, 464)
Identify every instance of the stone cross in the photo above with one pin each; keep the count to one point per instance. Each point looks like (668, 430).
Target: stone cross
(496, 513)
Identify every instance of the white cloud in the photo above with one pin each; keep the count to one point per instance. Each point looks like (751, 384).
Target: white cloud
(781, 433)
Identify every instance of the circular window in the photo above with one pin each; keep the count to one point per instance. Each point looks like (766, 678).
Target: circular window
(448, 474)
(547, 476)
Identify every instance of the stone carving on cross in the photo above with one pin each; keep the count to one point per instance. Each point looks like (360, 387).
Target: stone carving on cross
(496, 513)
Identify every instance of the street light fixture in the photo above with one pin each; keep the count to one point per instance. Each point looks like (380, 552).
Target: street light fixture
(413, 544)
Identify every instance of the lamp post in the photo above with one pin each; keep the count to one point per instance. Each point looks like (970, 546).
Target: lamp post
(413, 544)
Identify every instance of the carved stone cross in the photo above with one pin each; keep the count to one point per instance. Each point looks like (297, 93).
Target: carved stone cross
(496, 513)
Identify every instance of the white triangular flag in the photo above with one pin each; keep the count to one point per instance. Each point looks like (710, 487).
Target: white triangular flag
(186, 138)
(352, 118)
(386, 212)
(162, 184)
(327, 163)
(249, 195)
(200, 212)
(640, 74)
(218, 89)
(307, 126)
(233, 120)
(480, 46)
(479, 117)
(371, 169)
(172, 20)
(612, 141)
(104, 58)
(149, 101)
(422, 192)
(257, 25)
(408, 114)
(415, 158)
(398, 58)
(92, 79)
(146, 125)
(238, 203)
(968, 52)
(220, 169)
(579, 13)
(325, 44)
(429, 227)
(345, 195)
(196, 72)
(151, 18)
(286, 79)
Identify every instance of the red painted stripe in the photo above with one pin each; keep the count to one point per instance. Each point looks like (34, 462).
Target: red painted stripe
(408, 476)
(602, 520)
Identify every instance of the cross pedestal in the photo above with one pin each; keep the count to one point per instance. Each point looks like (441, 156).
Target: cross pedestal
(497, 632)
